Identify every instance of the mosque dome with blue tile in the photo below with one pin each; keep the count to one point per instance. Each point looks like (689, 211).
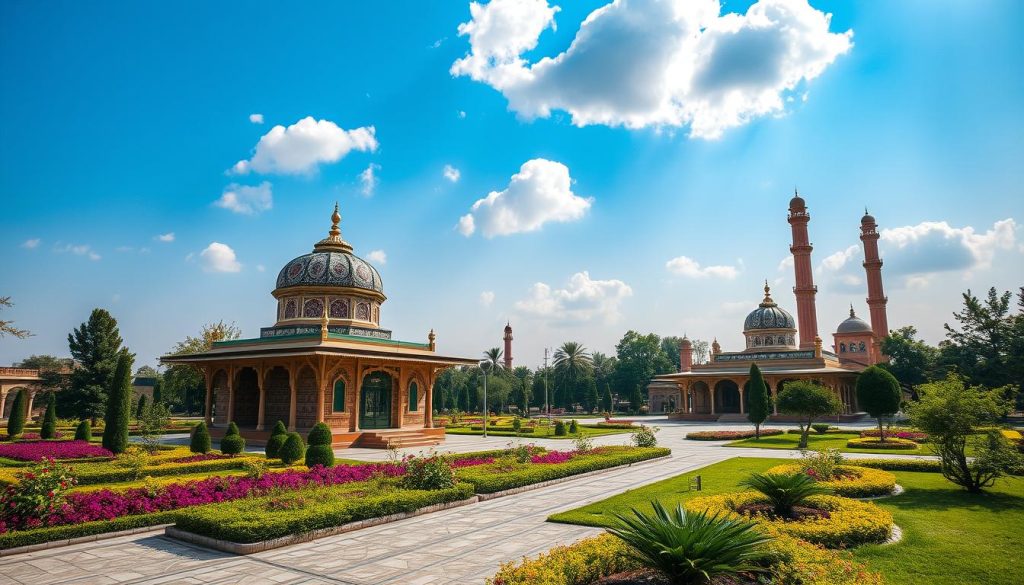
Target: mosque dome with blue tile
(769, 325)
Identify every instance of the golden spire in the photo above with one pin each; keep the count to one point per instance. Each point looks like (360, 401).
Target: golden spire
(851, 311)
(335, 220)
(333, 241)
(767, 302)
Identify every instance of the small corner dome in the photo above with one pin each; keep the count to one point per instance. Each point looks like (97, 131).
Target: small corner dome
(768, 315)
(854, 324)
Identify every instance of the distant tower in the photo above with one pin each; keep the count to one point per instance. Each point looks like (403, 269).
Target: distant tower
(685, 355)
(806, 313)
(876, 296)
(508, 346)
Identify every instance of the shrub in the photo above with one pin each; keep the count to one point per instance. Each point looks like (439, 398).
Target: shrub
(83, 432)
(49, 428)
(40, 491)
(759, 403)
(849, 481)
(730, 435)
(16, 420)
(293, 449)
(690, 547)
(233, 442)
(140, 407)
(119, 403)
(517, 425)
(901, 464)
(914, 436)
(820, 428)
(583, 444)
(807, 400)
(134, 459)
(559, 428)
(433, 472)
(873, 443)
(320, 451)
(821, 465)
(574, 427)
(643, 436)
(274, 443)
(200, 442)
(255, 468)
(785, 491)
(878, 393)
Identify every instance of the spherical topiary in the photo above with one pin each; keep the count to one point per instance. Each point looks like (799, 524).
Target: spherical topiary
(559, 428)
(574, 427)
(320, 434)
(233, 442)
(200, 439)
(277, 438)
(83, 432)
(293, 449)
(320, 451)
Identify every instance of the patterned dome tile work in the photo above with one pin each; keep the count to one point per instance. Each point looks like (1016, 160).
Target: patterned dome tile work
(769, 318)
(330, 269)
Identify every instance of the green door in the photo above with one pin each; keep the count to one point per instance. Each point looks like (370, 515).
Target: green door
(375, 401)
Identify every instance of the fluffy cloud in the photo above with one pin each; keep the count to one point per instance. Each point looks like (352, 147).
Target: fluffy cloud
(486, 298)
(168, 237)
(31, 244)
(377, 257)
(299, 148)
(256, 118)
(219, 257)
(244, 199)
(78, 250)
(690, 268)
(641, 63)
(539, 193)
(582, 300)
(451, 173)
(369, 179)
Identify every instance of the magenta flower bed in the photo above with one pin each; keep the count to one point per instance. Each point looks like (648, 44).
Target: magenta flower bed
(458, 463)
(730, 435)
(200, 457)
(909, 435)
(552, 457)
(37, 450)
(37, 436)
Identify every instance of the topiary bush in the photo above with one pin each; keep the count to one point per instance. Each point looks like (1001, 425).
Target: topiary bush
(574, 427)
(820, 428)
(320, 451)
(49, 430)
(16, 421)
(233, 442)
(277, 438)
(293, 449)
(83, 432)
(559, 429)
(200, 439)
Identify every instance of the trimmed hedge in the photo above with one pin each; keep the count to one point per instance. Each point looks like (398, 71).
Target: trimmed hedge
(51, 533)
(907, 464)
(861, 482)
(263, 518)
(730, 435)
(111, 472)
(486, 481)
(612, 425)
(889, 444)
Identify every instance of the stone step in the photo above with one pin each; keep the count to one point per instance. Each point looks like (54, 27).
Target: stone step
(733, 417)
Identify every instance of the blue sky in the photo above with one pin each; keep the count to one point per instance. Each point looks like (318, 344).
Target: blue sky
(123, 122)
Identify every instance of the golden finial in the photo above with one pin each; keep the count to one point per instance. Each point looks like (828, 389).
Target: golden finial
(335, 220)
(333, 240)
(431, 338)
(851, 311)
(324, 321)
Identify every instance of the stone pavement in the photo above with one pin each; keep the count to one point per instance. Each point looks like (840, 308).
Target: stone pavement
(462, 545)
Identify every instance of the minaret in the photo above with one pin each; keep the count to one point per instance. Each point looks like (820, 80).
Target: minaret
(508, 346)
(685, 355)
(806, 313)
(873, 268)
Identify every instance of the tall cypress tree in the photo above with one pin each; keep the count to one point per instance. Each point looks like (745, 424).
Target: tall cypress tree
(94, 346)
(119, 404)
(607, 400)
(16, 422)
(758, 402)
(49, 430)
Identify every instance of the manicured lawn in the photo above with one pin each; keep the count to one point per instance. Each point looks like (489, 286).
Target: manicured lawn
(950, 537)
(815, 441)
(539, 432)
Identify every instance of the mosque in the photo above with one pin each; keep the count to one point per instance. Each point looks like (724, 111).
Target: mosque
(784, 348)
(326, 359)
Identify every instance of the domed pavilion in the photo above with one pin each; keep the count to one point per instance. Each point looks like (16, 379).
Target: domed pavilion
(325, 359)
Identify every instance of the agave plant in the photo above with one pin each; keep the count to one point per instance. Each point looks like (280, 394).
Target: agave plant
(690, 547)
(785, 490)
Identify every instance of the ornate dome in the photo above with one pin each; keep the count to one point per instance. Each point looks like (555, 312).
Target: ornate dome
(331, 263)
(853, 324)
(768, 315)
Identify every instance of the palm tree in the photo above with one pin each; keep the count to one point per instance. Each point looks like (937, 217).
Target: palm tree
(572, 364)
(493, 360)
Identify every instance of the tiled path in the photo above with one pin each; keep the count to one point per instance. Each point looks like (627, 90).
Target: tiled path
(462, 545)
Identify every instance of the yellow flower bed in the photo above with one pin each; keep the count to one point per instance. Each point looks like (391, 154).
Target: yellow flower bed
(850, 523)
(857, 482)
(876, 443)
(789, 561)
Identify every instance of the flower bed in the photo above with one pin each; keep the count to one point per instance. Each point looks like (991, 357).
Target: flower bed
(200, 457)
(788, 560)
(889, 444)
(38, 450)
(851, 482)
(915, 436)
(614, 424)
(849, 522)
(903, 464)
(730, 435)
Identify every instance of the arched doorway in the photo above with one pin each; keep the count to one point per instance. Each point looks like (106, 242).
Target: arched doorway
(305, 398)
(375, 401)
(700, 398)
(247, 398)
(727, 397)
(220, 397)
(278, 397)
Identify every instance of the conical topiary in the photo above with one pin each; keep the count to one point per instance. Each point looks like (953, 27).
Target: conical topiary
(49, 430)
(83, 432)
(140, 408)
(16, 422)
(119, 404)
(233, 443)
(277, 438)
(200, 439)
(293, 449)
(320, 451)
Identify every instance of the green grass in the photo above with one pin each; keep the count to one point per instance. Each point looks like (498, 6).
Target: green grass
(827, 441)
(539, 433)
(950, 537)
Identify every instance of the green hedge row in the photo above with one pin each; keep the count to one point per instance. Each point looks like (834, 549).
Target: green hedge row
(51, 533)
(490, 432)
(486, 481)
(112, 472)
(255, 519)
(908, 464)
(507, 429)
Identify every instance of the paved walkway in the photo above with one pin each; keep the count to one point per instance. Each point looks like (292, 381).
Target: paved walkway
(462, 545)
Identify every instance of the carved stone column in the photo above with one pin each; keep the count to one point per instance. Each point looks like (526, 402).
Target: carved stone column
(262, 408)
(231, 395)
(428, 416)
(208, 414)
(293, 396)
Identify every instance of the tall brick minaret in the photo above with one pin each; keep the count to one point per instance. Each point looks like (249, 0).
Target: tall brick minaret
(508, 346)
(806, 313)
(876, 295)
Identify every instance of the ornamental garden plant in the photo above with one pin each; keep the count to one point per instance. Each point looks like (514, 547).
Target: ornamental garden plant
(878, 393)
(278, 435)
(320, 451)
(232, 443)
(807, 400)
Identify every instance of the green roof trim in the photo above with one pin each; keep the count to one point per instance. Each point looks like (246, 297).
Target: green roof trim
(338, 336)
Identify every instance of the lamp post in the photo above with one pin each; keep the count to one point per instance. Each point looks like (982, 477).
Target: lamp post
(547, 407)
(483, 366)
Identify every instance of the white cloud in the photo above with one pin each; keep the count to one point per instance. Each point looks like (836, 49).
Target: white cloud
(451, 173)
(168, 237)
(369, 179)
(219, 257)
(690, 268)
(377, 257)
(540, 192)
(582, 300)
(31, 244)
(643, 63)
(786, 263)
(78, 250)
(462, 114)
(245, 199)
(487, 298)
(299, 148)
(124, 249)
(256, 118)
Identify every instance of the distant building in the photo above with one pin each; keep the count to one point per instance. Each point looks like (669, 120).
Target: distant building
(142, 386)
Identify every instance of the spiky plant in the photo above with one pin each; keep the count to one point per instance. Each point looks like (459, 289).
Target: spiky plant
(784, 491)
(690, 547)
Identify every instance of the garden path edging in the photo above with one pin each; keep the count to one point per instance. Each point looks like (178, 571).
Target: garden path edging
(17, 550)
(550, 482)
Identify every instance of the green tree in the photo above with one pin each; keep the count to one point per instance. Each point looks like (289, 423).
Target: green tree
(83, 432)
(878, 393)
(146, 372)
(140, 406)
(807, 400)
(16, 420)
(670, 346)
(152, 423)
(493, 360)
(572, 364)
(980, 343)
(759, 403)
(636, 400)
(158, 391)
(278, 435)
(53, 371)
(954, 416)
(49, 429)
(7, 327)
(590, 396)
(119, 403)
(640, 358)
(95, 346)
(183, 385)
(293, 449)
(911, 360)
(523, 390)
(606, 400)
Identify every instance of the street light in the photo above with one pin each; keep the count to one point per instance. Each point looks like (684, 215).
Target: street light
(483, 366)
